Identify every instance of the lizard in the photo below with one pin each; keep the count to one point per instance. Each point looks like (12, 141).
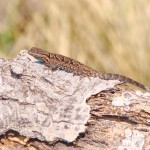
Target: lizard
(57, 61)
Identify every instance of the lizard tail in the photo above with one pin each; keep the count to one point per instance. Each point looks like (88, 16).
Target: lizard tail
(109, 76)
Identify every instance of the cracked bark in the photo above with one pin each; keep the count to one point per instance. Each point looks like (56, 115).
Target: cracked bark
(41, 109)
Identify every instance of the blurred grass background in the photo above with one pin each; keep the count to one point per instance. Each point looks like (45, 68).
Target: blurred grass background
(110, 36)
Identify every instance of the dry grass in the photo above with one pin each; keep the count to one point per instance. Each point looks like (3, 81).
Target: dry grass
(112, 36)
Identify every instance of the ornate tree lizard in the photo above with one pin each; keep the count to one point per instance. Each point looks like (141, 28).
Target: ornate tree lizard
(57, 61)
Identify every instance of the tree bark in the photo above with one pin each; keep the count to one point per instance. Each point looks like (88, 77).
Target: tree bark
(45, 109)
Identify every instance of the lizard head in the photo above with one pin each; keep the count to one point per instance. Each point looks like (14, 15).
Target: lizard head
(39, 54)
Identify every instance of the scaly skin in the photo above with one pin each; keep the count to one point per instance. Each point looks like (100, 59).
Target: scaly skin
(57, 61)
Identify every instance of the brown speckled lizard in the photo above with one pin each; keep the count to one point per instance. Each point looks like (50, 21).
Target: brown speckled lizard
(56, 61)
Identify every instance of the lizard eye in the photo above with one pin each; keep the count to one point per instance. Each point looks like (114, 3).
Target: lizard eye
(38, 59)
